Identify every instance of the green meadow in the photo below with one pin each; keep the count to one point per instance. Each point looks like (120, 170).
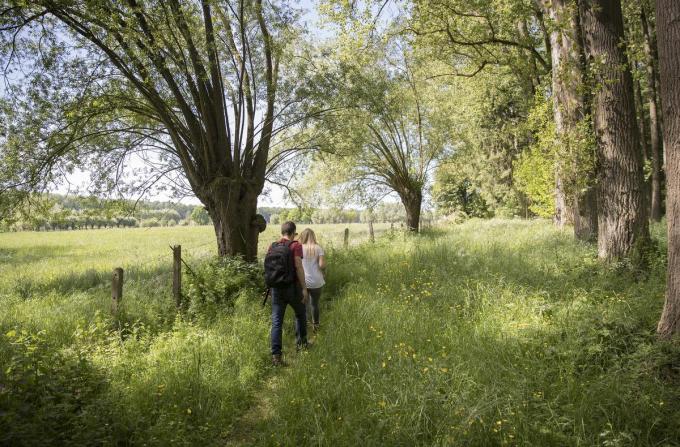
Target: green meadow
(491, 332)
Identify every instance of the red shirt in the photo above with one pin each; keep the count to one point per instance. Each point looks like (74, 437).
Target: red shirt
(295, 250)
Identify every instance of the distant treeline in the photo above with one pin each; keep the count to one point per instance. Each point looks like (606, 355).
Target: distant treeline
(57, 212)
(385, 212)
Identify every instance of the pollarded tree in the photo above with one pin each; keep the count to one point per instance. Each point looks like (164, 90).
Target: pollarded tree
(196, 83)
(386, 131)
(622, 217)
(668, 28)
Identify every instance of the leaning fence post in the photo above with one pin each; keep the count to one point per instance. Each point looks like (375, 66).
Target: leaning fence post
(346, 242)
(371, 234)
(116, 289)
(177, 274)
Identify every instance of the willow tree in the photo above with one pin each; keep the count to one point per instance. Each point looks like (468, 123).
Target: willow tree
(195, 81)
(386, 131)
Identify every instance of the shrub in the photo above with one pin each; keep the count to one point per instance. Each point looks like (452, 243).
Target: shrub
(48, 396)
(148, 223)
(213, 286)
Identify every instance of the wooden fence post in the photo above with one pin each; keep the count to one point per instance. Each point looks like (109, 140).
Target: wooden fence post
(371, 234)
(116, 289)
(177, 274)
(346, 242)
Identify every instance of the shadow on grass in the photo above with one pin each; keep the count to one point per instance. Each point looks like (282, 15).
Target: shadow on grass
(49, 397)
(14, 256)
(27, 287)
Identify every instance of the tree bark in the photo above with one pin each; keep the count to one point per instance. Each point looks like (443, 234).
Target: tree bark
(569, 109)
(668, 28)
(642, 121)
(236, 222)
(561, 212)
(563, 215)
(585, 215)
(622, 215)
(652, 57)
(412, 201)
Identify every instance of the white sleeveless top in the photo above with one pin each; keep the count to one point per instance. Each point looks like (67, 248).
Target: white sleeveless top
(313, 275)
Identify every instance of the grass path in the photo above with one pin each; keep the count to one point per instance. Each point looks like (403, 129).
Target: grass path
(500, 332)
(496, 333)
(245, 432)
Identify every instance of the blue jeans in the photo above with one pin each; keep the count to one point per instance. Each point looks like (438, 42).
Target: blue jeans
(281, 297)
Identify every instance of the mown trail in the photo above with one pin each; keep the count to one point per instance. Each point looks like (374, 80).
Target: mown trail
(489, 333)
(260, 411)
(500, 332)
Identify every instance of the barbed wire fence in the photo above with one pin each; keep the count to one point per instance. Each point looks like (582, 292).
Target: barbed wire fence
(179, 257)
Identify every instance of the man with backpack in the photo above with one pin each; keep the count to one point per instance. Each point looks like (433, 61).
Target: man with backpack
(284, 275)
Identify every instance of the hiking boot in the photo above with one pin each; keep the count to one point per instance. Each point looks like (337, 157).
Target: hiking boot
(276, 360)
(315, 327)
(302, 346)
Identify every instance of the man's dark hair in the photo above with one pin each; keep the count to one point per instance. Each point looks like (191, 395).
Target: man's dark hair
(288, 228)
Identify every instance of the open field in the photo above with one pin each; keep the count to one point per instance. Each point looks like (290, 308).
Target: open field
(31, 261)
(486, 333)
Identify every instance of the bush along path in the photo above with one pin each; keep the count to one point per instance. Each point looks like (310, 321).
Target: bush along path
(490, 333)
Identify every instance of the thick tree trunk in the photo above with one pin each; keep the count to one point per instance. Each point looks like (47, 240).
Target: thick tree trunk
(622, 216)
(642, 120)
(236, 222)
(644, 138)
(652, 57)
(668, 26)
(561, 213)
(412, 201)
(585, 215)
(569, 108)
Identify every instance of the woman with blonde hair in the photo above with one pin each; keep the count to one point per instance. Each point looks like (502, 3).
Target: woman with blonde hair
(313, 262)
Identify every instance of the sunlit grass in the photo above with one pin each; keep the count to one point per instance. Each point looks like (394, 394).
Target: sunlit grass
(63, 259)
(486, 333)
(493, 333)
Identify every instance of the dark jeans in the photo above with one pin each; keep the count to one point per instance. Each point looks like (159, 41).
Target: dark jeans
(281, 297)
(313, 304)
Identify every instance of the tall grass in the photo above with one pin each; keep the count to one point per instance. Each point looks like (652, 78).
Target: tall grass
(491, 333)
(486, 333)
(73, 374)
